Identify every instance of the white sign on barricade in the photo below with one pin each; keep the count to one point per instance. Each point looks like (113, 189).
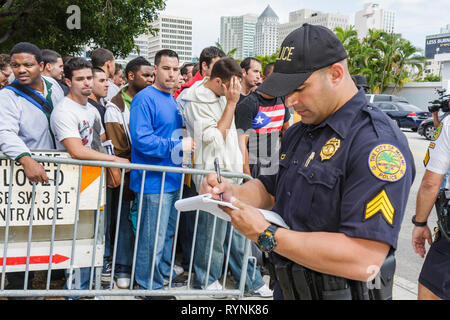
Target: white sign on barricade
(44, 207)
(39, 255)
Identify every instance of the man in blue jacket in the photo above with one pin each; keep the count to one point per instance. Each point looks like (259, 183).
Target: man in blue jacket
(156, 139)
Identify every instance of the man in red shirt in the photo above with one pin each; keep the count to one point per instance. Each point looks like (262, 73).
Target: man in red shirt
(208, 57)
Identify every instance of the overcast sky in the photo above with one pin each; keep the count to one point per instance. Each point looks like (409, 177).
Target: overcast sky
(414, 18)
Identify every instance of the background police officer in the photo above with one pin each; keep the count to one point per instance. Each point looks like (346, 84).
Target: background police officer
(434, 279)
(343, 181)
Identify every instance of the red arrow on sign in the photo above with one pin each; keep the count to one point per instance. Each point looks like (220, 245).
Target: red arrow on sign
(15, 261)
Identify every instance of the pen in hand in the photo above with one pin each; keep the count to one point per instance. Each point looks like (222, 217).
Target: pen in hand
(219, 178)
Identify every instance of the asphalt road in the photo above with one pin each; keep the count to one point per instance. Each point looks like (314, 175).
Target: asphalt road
(409, 263)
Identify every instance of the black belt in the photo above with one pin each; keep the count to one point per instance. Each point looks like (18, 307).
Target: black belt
(299, 283)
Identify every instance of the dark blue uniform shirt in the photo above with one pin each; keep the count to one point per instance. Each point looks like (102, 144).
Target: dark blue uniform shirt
(360, 184)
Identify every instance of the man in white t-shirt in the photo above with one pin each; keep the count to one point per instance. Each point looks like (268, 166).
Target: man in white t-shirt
(74, 123)
(74, 120)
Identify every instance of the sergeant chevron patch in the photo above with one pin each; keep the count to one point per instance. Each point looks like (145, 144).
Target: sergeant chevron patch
(427, 158)
(381, 203)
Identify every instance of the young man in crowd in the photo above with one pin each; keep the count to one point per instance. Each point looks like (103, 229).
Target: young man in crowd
(118, 76)
(100, 86)
(5, 69)
(262, 120)
(117, 118)
(268, 69)
(208, 57)
(25, 108)
(186, 72)
(104, 59)
(74, 120)
(209, 117)
(251, 76)
(54, 68)
(156, 139)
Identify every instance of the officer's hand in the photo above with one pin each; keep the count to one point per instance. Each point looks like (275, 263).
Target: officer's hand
(34, 171)
(212, 186)
(247, 219)
(419, 235)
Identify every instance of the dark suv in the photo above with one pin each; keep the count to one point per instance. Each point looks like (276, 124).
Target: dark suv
(385, 98)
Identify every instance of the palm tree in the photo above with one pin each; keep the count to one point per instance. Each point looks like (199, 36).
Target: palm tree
(382, 57)
(229, 53)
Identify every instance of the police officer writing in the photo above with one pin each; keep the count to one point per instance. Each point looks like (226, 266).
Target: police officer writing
(342, 184)
(434, 279)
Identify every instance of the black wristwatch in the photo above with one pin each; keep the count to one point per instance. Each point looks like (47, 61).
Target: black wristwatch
(266, 240)
(418, 224)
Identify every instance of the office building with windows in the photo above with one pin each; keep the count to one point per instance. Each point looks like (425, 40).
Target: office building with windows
(238, 32)
(266, 35)
(374, 17)
(299, 17)
(174, 33)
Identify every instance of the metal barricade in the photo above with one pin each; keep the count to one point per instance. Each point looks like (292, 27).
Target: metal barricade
(23, 258)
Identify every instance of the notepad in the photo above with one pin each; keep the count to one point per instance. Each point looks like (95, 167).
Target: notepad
(205, 202)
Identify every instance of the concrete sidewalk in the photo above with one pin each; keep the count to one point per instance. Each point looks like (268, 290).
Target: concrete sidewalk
(404, 289)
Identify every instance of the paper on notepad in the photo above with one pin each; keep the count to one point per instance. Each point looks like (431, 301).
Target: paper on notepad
(205, 202)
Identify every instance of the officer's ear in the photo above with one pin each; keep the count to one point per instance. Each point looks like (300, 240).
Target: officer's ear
(336, 73)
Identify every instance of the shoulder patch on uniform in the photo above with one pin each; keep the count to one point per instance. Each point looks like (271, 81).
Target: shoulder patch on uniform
(381, 203)
(387, 163)
(437, 132)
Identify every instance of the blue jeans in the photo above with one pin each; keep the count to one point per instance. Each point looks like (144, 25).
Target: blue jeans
(147, 238)
(125, 242)
(219, 241)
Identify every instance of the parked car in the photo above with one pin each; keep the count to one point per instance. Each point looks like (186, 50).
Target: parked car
(385, 97)
(404, 114)
(427, 129)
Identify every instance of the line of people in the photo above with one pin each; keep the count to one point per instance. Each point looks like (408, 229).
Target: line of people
(164, 114)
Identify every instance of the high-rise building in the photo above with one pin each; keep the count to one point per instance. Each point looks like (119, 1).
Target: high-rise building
(266, 35)
(374, 17)
(174, 33)
(141, 43)
(299, 17)
(238, 32)
(445, 29)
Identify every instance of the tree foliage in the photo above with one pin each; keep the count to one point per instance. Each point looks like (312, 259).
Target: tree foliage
(384, 58)
(230, 53)
(265, 60)
(110, 24)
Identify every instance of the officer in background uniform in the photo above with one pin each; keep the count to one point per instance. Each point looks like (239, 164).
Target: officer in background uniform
(344, 176)
(434, 279)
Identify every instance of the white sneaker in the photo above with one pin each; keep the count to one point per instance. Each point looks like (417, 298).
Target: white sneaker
(123, 283)
(263, 292)
(216, 286)
(178, 269)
